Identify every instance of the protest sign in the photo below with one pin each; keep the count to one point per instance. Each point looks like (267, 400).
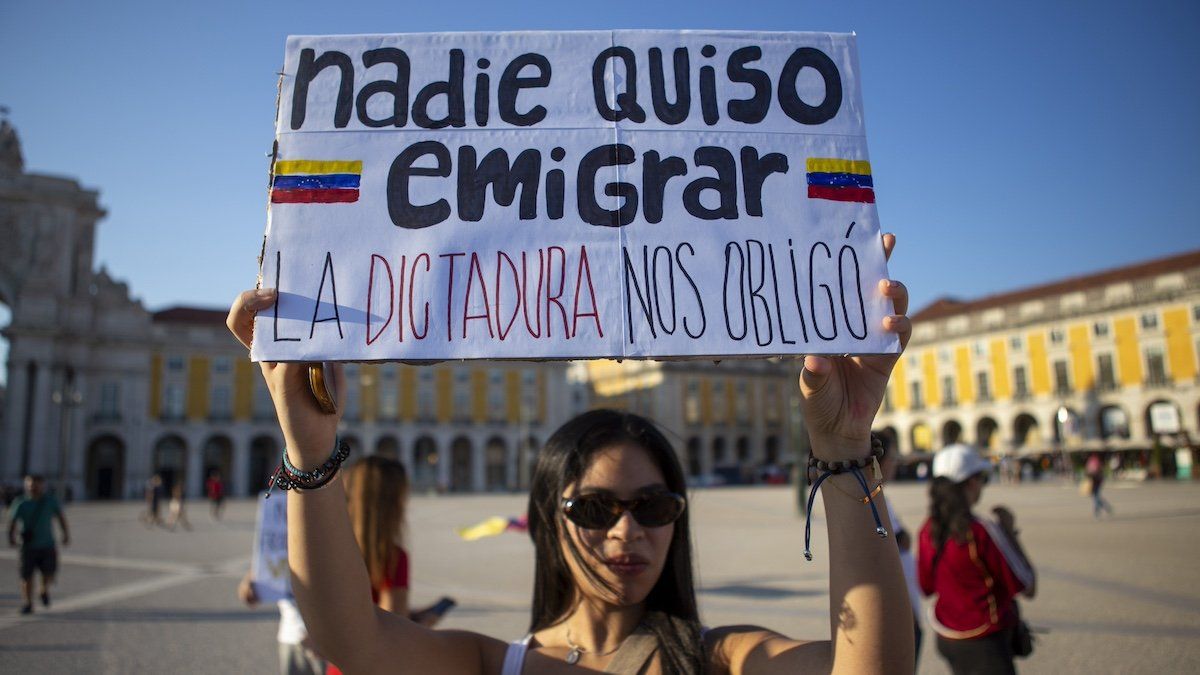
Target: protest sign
(571, 195)
(269, 565)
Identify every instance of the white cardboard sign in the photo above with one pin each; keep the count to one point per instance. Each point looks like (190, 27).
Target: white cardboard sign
(571, 195)
(269, 566)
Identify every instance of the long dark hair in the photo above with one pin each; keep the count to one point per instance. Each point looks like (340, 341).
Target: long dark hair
(949, 512)
(671, 612)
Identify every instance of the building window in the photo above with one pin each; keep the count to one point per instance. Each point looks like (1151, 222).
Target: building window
(948, 399)
(495, 396)
(741, 402)
(353, 392)
(426, 395)
(220, 406)
(980, 348)
(1100, 329)
(110, 400)
(981, 383)
(1015, 343)
(1196, 313)
(917, 402)
(529, 396)
(389, 393)
(462, 395)
(720, 402)
(1150, 321)
(1062, 378)
(175, 364)
(943, 355)
(173, 400)
(1057, 336)
(1156, 367)
(691, 402)
(1020, 383)
(221, 365)
(1106, 379)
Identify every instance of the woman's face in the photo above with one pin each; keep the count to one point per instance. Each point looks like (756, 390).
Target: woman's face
(628, 556)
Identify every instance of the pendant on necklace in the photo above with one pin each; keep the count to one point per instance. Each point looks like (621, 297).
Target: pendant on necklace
(573, 656)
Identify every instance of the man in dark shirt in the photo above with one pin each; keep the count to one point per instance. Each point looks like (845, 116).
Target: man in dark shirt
(35, 512)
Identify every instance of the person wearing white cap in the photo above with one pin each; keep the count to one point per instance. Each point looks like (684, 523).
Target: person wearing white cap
(976, 567)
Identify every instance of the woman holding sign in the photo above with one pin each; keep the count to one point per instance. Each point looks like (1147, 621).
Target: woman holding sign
(613, 588)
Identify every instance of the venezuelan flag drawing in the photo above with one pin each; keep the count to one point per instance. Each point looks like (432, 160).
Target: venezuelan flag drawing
(840, 180)
(308, 181)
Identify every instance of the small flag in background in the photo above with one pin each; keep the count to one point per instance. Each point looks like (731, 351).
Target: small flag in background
(840, 180)
(307, 181)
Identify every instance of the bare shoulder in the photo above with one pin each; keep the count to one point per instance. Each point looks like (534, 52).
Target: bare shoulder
(425, 650)
(746, 649)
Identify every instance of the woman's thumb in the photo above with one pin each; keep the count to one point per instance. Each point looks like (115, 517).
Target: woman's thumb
(814, 374)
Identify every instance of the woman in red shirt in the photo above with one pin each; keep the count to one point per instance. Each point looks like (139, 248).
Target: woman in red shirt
(975, 567)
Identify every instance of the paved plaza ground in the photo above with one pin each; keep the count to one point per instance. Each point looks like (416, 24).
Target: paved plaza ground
(1117, 596)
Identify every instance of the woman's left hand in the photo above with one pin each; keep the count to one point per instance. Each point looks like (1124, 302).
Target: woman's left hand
(840, 395)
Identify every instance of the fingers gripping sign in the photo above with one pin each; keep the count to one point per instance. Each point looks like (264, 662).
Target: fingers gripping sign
(840, 395)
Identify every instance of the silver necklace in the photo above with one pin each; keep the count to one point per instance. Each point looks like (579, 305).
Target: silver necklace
(577, 651)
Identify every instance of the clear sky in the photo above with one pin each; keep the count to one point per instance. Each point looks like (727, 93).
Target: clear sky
(1011, 142)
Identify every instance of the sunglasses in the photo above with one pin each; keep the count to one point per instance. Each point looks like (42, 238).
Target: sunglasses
(598, 511)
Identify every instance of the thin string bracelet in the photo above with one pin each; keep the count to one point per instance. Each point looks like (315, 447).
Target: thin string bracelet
(812, 496)
(863, 500)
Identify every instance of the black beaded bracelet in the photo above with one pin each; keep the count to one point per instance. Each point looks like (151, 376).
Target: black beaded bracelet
(845, 465)
(288, 477)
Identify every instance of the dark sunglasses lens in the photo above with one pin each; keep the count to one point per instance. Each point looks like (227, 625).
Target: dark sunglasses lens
(658, 510)
(593, 512)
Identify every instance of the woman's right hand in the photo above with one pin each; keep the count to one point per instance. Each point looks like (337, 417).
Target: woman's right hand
(308, 432)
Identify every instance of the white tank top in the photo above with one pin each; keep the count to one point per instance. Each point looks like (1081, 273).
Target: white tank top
(514, 656)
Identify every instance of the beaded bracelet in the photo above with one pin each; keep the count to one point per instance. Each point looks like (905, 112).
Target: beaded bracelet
(288, 477)
(842, 466)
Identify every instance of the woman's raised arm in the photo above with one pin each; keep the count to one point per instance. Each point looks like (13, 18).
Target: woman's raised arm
(870, 613)
(329, 577)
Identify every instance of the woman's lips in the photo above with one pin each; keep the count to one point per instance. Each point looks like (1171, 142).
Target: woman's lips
(627, 566)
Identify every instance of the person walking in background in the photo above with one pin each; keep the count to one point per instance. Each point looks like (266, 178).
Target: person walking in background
(975, 567)
(214, 488)
(35, 512)
(1094, 469)
(176, 511)
(154, 494)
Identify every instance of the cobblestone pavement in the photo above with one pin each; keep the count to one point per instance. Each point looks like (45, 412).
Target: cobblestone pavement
(1119, 595)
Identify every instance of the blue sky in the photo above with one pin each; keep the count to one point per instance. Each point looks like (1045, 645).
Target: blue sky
(1012, 143)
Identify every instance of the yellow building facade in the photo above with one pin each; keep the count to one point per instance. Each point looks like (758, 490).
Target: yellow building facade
(1106, 361)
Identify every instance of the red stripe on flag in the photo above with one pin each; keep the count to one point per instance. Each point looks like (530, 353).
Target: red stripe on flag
(842, 194)
(329, 196)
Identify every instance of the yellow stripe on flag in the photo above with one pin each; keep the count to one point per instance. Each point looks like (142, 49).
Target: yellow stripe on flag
(304, 166)
(488, 528)
(830, 165)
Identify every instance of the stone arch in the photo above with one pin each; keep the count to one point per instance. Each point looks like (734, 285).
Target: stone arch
(891, 439)
(461, 464)
(105, 472)
(495, 462)
(921, 437)
(772, 450)
(694, 466)
(742, 450)
(425, 464)
(263, 459)
(987, 436)
(718, 451)
(1113, 422)
(217, 456)
(356, 449)
(1067, 425)
(388, 446)
(1026, 431)
(170, 461)
(1159, 414)
(952, 432)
